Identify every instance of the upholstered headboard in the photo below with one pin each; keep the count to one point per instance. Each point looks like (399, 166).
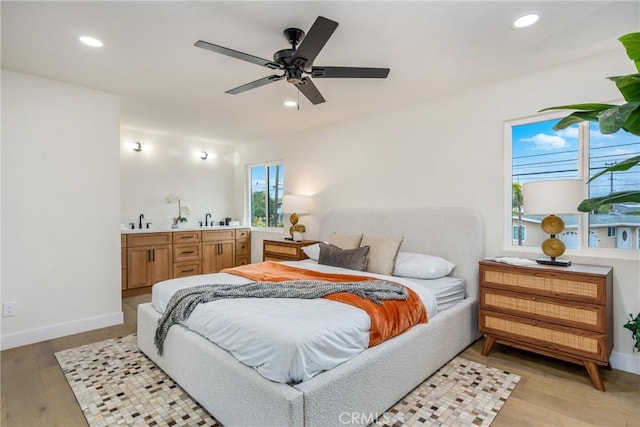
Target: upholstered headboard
(456, 234)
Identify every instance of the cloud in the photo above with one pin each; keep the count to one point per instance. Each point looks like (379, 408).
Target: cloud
(570, 132)
(543, 141)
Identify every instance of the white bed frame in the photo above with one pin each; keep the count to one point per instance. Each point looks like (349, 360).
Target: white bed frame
(363, 388)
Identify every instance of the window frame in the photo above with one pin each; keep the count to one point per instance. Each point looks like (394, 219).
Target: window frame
(583, 250)
(248, 198)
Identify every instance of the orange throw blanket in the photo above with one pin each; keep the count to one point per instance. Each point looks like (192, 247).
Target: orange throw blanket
(391, 318)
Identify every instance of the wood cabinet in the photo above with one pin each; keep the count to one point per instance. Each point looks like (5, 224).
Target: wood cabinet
(243, 247)
(284, 250)
(562, 312)
(149, 259)
(218, 250)
(123, 261)
(187, 250)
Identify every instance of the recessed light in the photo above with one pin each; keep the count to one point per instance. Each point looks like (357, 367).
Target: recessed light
(90, 41)
(525, 20)
(290, 104)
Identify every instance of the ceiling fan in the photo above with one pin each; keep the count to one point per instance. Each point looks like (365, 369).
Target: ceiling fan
(298, 60)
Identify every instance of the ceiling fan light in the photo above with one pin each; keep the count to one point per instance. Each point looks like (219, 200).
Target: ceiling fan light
(525, 20)
(290, 104)
(90, 41)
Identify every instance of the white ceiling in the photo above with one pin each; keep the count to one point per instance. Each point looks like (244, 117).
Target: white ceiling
(168, 86)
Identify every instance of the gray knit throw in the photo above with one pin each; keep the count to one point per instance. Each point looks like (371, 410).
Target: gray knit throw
(184, 301)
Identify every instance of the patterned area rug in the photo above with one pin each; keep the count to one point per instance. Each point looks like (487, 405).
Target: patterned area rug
(116, 384)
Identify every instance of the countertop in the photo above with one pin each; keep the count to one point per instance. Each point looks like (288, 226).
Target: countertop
(169, 229)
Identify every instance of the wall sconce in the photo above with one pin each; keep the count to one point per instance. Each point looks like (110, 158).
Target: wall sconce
(136, 146)
(204, 155)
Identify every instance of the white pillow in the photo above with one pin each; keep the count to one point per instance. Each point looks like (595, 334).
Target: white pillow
(421, 266)
(312, 251)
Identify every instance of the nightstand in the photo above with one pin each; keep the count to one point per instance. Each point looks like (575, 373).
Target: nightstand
(562, 312)
(284, 250)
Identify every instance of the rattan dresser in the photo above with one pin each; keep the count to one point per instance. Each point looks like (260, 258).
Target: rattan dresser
(562, 312)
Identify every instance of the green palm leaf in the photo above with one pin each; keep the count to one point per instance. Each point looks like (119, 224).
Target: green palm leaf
(589, 205)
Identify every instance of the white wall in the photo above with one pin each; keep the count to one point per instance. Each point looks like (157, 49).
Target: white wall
(60, 209)
(445, 153)
(169, 164)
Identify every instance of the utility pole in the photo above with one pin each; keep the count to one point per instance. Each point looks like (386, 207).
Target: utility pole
(610, 176)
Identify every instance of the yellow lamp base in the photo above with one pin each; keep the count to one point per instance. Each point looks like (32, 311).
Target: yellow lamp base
(552, 247)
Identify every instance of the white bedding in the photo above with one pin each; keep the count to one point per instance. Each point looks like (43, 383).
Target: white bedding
(448, 290)
(285, 340)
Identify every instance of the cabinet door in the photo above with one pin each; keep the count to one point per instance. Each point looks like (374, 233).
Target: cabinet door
(217, 255)
(139, 271)
(227, 255)
(209, 257)
(162, 263)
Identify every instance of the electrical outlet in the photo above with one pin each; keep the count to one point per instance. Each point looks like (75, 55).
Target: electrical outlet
(9, 309)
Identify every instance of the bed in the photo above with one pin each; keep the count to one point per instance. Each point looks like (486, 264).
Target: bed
(369, 383)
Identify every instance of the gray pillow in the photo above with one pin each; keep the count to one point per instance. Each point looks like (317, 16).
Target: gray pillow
(353, 259)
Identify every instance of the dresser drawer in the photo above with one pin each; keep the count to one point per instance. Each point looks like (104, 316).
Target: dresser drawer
(243, 248)
(547, 283)
(544, 335)
(186, 252)
(243, 235)
(185, 269)
(243, 260)
(148, 239)
(186, 236)
(282, 250)
(215, 235)
(581, 315)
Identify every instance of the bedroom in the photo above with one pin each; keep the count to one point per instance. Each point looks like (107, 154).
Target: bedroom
(333, 161)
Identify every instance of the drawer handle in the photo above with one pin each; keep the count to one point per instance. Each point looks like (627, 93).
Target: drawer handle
(187, 252)
(187, 271)
(186, 237)
(533, 298)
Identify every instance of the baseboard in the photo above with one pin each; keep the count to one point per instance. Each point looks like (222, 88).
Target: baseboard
(625, 362)
(31, 336)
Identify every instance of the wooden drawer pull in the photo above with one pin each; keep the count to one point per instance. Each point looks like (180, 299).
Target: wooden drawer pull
(187, 237)
(187, 271)
(187, 252)
(533, 298)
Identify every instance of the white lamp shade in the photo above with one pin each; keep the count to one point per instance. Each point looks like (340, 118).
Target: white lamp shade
(294, 203)
(560, 196)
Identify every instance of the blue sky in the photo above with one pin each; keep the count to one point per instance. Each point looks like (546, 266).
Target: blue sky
(539, 153)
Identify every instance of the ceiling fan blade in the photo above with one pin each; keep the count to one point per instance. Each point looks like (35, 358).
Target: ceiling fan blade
(349, 72)
(314, 41)
(260, 82)
(310, 91)
(238, 55)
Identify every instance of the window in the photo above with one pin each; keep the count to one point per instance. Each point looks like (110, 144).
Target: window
(523, 231)
(266, 187)
(537, 152)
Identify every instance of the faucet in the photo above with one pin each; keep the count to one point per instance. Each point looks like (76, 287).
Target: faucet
(140, 220)
(206, 219)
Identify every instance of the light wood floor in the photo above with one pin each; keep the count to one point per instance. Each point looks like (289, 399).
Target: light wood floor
(34, 391)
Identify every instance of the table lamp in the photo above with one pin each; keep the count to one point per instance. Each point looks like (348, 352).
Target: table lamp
(295, 205)
(552, 198)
